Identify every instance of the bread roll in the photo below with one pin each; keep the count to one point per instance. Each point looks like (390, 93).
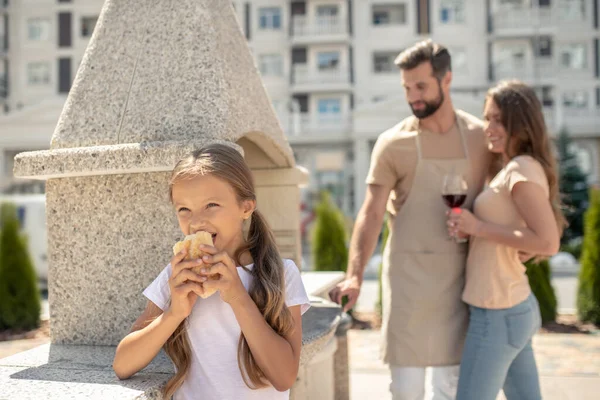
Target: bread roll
(192, 244)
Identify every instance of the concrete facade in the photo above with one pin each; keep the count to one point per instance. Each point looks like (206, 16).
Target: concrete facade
(326, 68)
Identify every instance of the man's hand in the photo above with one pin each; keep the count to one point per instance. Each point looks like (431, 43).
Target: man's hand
(350, 287)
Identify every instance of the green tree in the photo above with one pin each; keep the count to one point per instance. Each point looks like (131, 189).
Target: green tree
(573, 186)
(385, 232)
(539, 280)
(19, 295)
(329, 249)
(588, 294)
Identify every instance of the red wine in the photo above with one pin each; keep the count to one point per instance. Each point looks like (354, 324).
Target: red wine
(454, 200)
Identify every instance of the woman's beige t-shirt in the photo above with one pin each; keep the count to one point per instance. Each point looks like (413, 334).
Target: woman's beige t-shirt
(495, 275)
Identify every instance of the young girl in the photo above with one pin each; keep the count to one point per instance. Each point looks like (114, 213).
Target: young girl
(244, 341)
(519, 211)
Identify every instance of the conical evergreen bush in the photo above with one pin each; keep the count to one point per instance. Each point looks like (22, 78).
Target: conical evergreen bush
(539, 280)
(588, 294)
(19, 295)
(329, 249)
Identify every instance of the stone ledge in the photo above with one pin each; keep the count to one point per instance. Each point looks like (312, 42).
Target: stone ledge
(54, 371)
(107, 160)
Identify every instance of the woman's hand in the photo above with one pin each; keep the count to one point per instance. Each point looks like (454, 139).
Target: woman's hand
(219, 263)
(185, 285)
(463, 222)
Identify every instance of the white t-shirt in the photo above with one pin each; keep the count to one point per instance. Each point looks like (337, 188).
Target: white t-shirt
(214, 333)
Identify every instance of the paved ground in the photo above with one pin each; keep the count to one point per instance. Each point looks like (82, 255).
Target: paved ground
(569, 366)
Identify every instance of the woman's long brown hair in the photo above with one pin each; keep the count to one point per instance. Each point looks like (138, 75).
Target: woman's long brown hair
(522, 118)
(267, 289)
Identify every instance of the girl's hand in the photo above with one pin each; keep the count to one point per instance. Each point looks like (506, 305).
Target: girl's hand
(462, 222)
(228, 283)
(185, 285)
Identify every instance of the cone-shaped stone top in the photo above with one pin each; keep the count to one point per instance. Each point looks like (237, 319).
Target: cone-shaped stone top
(159, 72)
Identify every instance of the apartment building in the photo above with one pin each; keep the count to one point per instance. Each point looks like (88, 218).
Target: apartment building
(42, 43)
(328, 68)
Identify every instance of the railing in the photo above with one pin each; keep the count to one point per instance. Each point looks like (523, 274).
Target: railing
(3, 87)
(320, 25)
(304, 75)
(522, 17)
(549, 118)
(314, 124)
(539, 69)
(582, 118)
(536, 17)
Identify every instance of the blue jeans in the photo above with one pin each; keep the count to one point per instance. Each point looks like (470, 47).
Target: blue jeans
(498, 353)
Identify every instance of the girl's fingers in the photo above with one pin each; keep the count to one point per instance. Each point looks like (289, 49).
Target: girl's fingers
(186, 288)
(208, 249)
(179, 257)
(187, 275)
(218, 268)
(222, 257)
(183, 265)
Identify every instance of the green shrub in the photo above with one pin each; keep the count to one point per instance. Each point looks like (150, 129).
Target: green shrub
(19, 296)
(573, 247)
(385, 232)
(329, 249)
(539, 280)
(573, 186)
(588, 294)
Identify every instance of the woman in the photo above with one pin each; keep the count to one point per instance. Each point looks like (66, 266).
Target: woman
(519, 211)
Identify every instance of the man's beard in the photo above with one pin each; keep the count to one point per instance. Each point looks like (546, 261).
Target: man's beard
(430, 107)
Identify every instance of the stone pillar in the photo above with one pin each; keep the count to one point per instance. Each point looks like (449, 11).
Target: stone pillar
(341, 362)
(142, 99)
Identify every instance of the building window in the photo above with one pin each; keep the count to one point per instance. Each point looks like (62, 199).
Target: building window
(38, 29)
(329, 106)
(328, 60)
(576, 99)
(389, 14)
(38, 73)
(269, 18)
(547, 96)
(544, 46)
(64, 75)
(514, 3)
(271, 65)
(327, 11)
(64, 29)
(571, 10)
(87, 26)
(459, 60)
(452, 11)
(383, 62)
(574, 56)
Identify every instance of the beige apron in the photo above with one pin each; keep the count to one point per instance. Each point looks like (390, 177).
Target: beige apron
(424, 319)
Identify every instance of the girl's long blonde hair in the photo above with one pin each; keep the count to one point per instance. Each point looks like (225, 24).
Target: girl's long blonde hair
(268, 284)
(522, 118)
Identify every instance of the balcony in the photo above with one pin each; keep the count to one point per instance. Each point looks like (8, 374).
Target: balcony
(3, 45)
(311, 127)
(307, 79)
(319, 29)
(539, 20)
(581, 122)
(533, 72)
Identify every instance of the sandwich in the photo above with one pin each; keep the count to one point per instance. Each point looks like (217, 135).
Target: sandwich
(192, 244)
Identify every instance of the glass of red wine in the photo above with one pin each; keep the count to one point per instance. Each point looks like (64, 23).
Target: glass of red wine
(454, 194)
